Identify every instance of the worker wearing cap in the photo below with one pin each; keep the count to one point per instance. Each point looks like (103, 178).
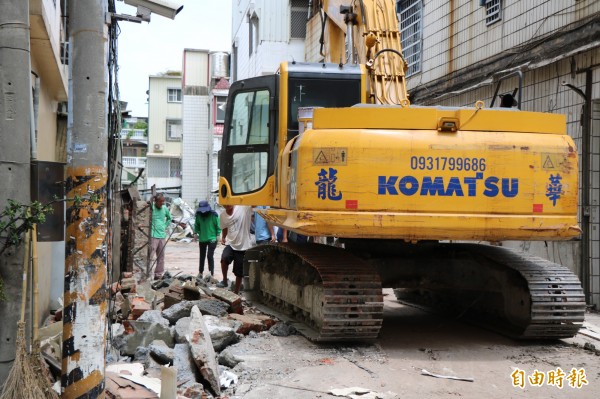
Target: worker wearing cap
(207, 229)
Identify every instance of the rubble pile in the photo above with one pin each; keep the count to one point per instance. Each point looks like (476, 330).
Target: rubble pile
(183, 323)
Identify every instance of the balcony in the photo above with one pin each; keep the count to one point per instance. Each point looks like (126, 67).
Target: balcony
(137, 135)
(134, 162)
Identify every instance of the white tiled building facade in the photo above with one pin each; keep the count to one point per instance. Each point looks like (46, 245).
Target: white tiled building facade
(266, 33)
(458, 49)
(196, 140)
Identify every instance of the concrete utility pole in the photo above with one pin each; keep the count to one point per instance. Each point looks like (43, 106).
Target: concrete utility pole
(85, 299)
(15, 142)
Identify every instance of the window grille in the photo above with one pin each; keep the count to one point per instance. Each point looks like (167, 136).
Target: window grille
(175, 167)
(174, 95)
(164, 167)
(411, 30)
(298, 17)
(174, 129)
(158, 167)
(492, 11)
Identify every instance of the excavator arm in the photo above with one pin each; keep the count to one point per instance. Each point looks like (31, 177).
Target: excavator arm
(366, 32)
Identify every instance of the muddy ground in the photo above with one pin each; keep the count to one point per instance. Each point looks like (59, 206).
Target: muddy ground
(411, 340)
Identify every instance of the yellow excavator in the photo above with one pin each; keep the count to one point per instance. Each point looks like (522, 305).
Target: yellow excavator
(335, 149)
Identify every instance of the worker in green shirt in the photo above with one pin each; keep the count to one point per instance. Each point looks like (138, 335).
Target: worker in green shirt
(161, 219)
(207, 229)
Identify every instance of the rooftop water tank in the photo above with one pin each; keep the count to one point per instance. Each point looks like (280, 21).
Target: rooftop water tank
(219, 64)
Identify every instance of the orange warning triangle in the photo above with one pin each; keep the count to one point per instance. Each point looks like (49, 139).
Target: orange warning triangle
(548, 163)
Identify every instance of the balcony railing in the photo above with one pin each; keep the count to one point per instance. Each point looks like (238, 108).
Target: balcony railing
(134, 162)
(134, 135)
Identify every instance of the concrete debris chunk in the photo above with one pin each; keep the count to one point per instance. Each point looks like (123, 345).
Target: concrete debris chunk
(161, 352)
(228, 359)
(154, 316)
(178, 311)
(181, 328)
(282, 329)
(188, 374)
(222, 332)
(146, 332)
(213, 307)
(202, 350)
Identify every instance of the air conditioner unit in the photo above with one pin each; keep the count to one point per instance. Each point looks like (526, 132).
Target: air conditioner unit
(159, 147)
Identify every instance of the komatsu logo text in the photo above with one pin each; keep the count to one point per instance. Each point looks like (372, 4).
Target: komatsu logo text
(471, 186)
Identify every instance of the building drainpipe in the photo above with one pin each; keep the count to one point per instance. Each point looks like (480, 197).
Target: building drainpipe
(85, 295)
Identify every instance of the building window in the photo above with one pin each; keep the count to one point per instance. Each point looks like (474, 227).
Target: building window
(298, 17)
(234, 63)
(174, 129)
(220, 111)
(252, 33)
(410, 14)
(492, 11)
(174, 95)
(164, 167)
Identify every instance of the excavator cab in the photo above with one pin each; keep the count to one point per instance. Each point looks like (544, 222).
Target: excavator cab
(262, 117)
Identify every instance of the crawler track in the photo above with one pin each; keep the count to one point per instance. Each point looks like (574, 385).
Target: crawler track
(522, 296)
(336, 295)
(557, 301)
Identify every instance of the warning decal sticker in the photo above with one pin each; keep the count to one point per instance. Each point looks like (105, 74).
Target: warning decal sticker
(330, 156)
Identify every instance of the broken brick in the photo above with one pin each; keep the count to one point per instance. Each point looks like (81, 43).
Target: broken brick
(233, 300)
(252, 322)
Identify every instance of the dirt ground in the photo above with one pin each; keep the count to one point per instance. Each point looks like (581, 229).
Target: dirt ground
(411, 340)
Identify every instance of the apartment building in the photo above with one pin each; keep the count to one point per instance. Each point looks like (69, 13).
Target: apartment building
(49, 86)
(165, 130)
(266, 33)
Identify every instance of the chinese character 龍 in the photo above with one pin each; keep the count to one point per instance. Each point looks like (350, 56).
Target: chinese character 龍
(326, 185)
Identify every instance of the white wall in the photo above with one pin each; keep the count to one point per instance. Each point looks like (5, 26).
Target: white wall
(196, 149)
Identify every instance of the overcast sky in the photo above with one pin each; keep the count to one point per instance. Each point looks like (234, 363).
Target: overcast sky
(150, 48)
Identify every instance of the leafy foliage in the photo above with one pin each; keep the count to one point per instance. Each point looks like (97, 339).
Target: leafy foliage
(17, 219)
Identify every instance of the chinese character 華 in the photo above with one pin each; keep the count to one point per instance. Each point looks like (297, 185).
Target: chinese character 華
(554, 188)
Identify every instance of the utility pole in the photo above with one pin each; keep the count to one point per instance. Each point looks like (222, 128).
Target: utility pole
(15, 147)
(85, 297)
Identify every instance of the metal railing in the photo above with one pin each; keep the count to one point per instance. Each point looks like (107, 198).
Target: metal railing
(134, 134)
(134, 162)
